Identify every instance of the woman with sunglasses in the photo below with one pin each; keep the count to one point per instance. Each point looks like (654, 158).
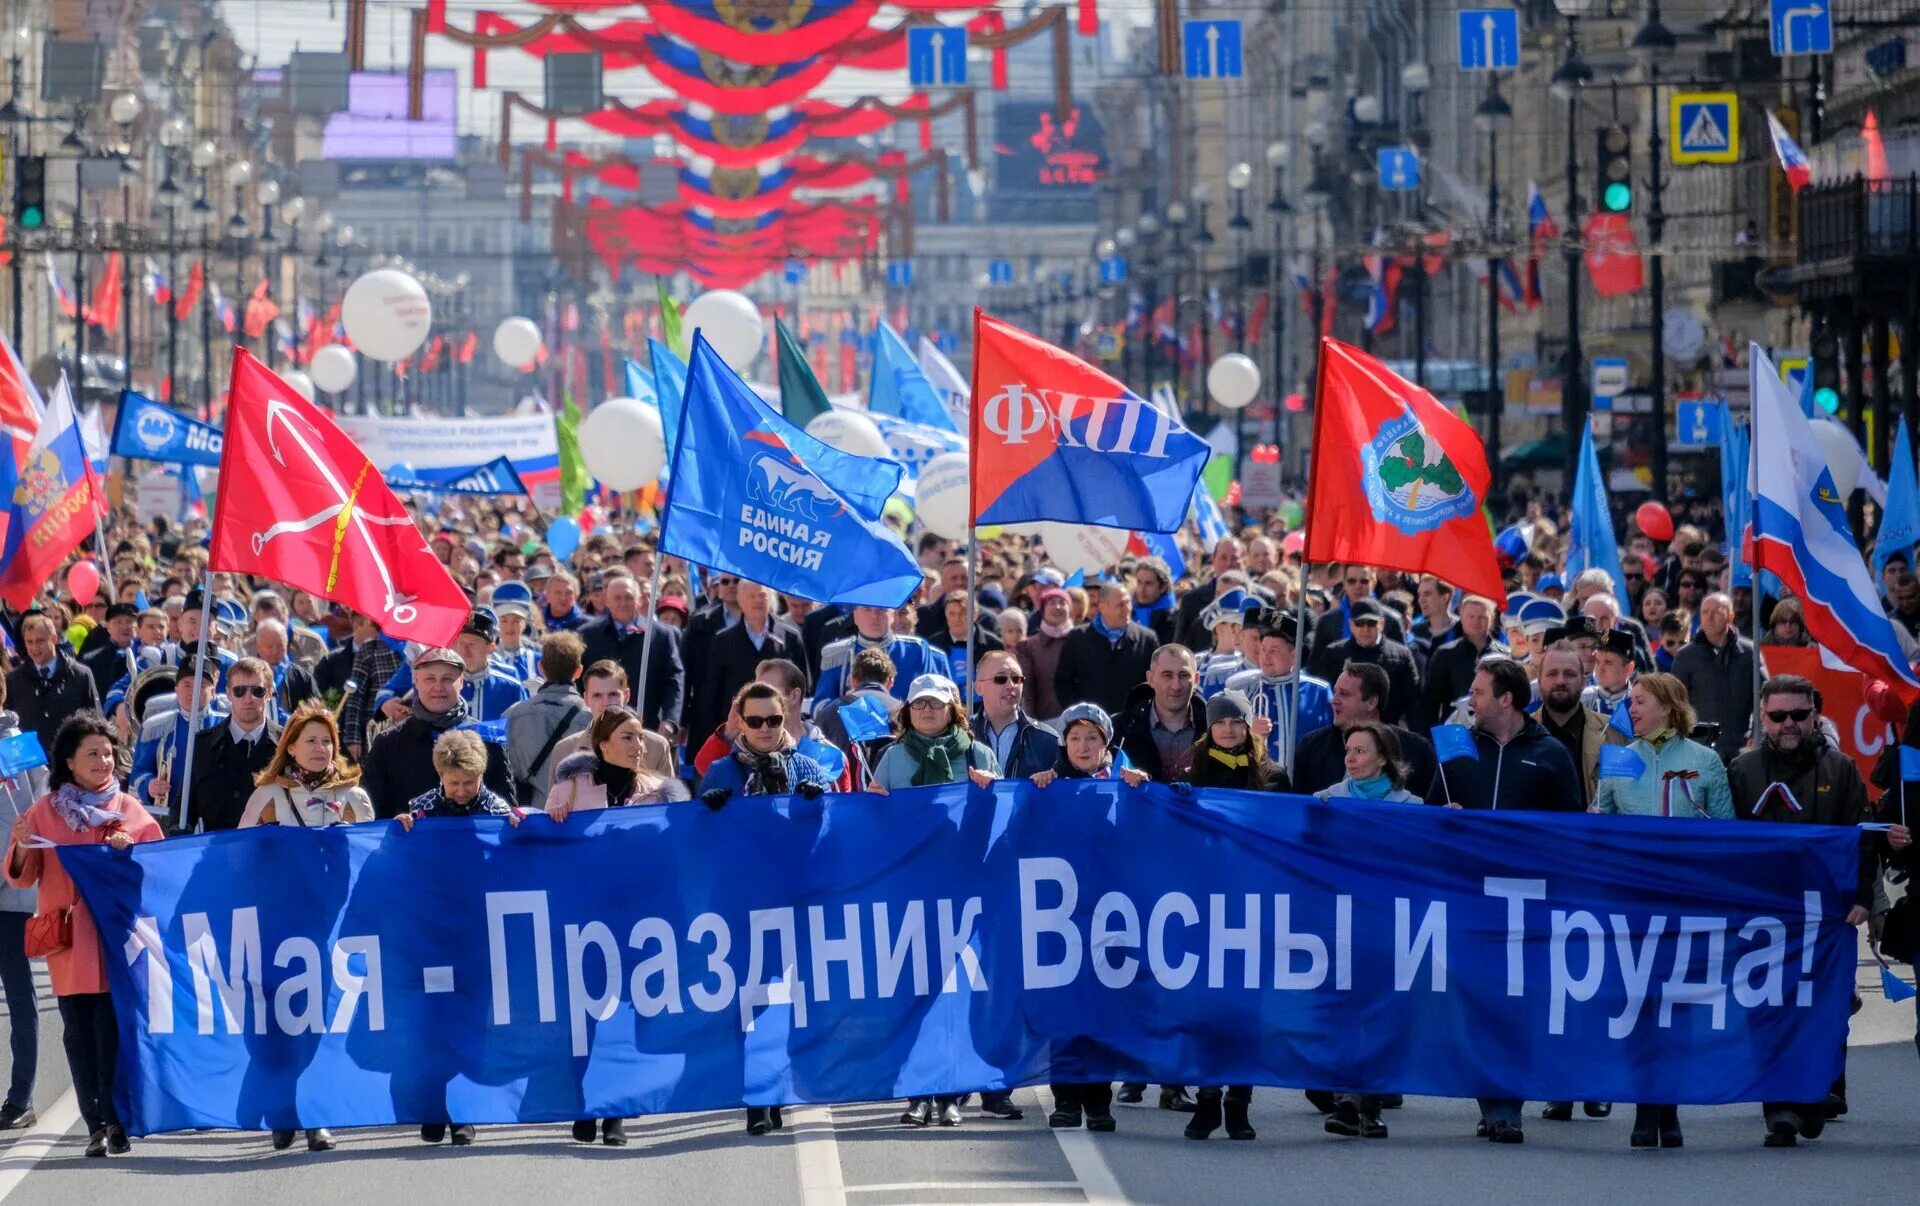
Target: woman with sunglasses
(763, 762)
(1676, 777)
(932, 746)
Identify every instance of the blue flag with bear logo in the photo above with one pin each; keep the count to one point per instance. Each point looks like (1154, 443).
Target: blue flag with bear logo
(755, 496)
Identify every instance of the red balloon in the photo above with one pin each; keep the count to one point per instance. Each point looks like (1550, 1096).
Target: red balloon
(1655, 521)
(1294, 541)
(83, 582)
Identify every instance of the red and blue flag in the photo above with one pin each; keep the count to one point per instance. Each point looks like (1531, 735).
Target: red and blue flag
(54, 504)
(1054, 438)
(1793, 160)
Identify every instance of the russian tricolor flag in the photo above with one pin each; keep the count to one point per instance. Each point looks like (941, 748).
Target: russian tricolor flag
(1793, 160)
(159, 288)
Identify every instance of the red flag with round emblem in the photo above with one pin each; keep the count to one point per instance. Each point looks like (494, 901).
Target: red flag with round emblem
(1397, 479)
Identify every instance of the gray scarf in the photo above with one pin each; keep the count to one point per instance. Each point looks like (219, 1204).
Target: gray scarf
(440, 722)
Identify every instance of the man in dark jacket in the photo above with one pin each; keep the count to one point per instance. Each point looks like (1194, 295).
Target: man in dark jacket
(1336, 624)
(1360, 693)
(1794, 776)
(1104, 659)
(111, 654)
(734, 655)
(1716, 667)
(951, 639)
(48, 686)
(1227, 554)
(1370, 644)
(227, 757)
(1519, 767)
(1164, 716)
(399, 763)
(1153, 606)
(1450, 668)
(1021, 745)
(621, 636)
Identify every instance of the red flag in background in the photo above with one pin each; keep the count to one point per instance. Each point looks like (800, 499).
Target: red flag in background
(261, 311)
(302, 504)
(190, 296)
(467, 347)
(1613, 258)
(1397, 479)
(105, 310)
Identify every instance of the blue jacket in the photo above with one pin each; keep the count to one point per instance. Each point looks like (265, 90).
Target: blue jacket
(565, 623)
(165, 654)
(487, 699)
(1532, 772)
(911, 658)
(1036, 747)
(522, 663)
(728, 775)
(162, 734)
(1647, 795)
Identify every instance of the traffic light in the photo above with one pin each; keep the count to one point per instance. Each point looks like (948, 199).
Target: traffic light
(30, 193)
(1825, 354)
(1616, 169)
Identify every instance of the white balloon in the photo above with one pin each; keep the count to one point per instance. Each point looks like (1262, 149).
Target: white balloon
(1073, 546)
(623, 444)
(849, 431)
(387, 315)
(1233, 380)
(731, 323)
(1841, 454)
(516, 341)
(940, 499)
(333, 368)
(301, 383)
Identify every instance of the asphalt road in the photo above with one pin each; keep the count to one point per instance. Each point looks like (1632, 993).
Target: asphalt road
(860, 1155)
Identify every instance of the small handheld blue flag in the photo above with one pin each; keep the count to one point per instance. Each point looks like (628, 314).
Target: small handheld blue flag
(1909, 764)
(899, 388)
(1900, 520)
(1452, 741)
(1619, 762)
(830, 758)
(1591, 540)
(21, 753)
(669, 388)
(756, 496)
(1896, 988)
(1621, 720)
(865, 718)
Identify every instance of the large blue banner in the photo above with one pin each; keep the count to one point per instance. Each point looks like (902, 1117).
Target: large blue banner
(656, 960)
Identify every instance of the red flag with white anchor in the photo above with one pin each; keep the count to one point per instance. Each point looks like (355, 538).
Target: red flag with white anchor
(300, 503)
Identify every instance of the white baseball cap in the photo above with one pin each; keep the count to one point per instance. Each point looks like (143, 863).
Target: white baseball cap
(933, 686)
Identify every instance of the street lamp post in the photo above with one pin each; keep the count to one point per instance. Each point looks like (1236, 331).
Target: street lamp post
(124, 109)
(19, 142)
(241, 234)
(1569, 78)
(1491, 115)
(1149, 227)
(173, 134)
(203, 156)
(1282, 212)
(1651, 42)
(1203, 290)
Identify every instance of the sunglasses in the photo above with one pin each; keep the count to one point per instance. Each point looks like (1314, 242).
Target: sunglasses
(1001, 680)
(930, 704)
(247, 692)
(763, 722)
(1797, 715)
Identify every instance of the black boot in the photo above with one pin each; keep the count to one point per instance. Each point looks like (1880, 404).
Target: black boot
(614, 1132)
(1174, 1097)
(1670, 1127)
(1320, 1099)
(758, 1123)
(1131, 1094)
(282, 1140)
(432, 1132)
(583, 1130)
(1558, 1111)
(1206, 1115)
(1238, 1126)
(774, 1116)
(1065, 1116)
(1646, 1127)
(1345, 1120)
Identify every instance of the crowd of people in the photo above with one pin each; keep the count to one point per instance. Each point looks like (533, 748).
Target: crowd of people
(571, 689)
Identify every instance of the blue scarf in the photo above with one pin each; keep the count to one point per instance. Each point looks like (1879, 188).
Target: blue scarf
(1100, 626)
(84, 810)
(1143, 613)
(1375, 788)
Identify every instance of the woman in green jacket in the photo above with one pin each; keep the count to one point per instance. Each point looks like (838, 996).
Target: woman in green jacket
(1676, 777)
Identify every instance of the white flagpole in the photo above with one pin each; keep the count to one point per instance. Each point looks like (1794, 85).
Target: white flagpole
(198, 704)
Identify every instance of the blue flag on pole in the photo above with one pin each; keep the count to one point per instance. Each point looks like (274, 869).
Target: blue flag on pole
(1619, 762)
(1896, 988)
(1591, 543)
(669, 387)
(865, 718)
(21, 753)
(897, 387)
(1621, 720)
(1909, 764)
(756, 496)
(1736, 501)
(146, 430)
(1452, 741)
(1900, 522)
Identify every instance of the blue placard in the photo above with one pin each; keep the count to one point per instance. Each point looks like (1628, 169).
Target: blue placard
(900, 274)
(1000, 272)
(1113, 270)
(1619, 762)
(1211, 50)
(936, 56)
(22, 752)
(796, 271)
(1800, 27)
(1399, 169)
(1452, 741)
(1697, 424)
(1490, 39)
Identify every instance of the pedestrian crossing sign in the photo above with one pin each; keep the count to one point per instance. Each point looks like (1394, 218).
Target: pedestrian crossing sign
(1704, 127)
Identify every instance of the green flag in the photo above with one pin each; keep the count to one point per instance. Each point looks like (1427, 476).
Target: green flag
(1218, 475)
(801, 397)
(670, 318)
(573, 467)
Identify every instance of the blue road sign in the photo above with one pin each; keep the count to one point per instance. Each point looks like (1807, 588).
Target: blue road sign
(1609, 380)
(1490, 38)
(1399, 169)
(796, 271)
(1697, 424)
(1113, 270)
(900, 274)
(1211, 50)
(936, 56)
(1000, 272)
(1801, 27)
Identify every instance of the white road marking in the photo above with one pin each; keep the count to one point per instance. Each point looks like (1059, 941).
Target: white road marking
(19, 1158)
(817, 1154)
(924, 1186)
(1090, 1168)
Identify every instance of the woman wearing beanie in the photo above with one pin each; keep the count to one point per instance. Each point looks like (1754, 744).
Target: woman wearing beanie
(1232, 754)
(1086, 752)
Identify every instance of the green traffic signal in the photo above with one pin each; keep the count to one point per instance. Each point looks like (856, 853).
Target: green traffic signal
(1827, 399)
(1618, 197)
(31, 218)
